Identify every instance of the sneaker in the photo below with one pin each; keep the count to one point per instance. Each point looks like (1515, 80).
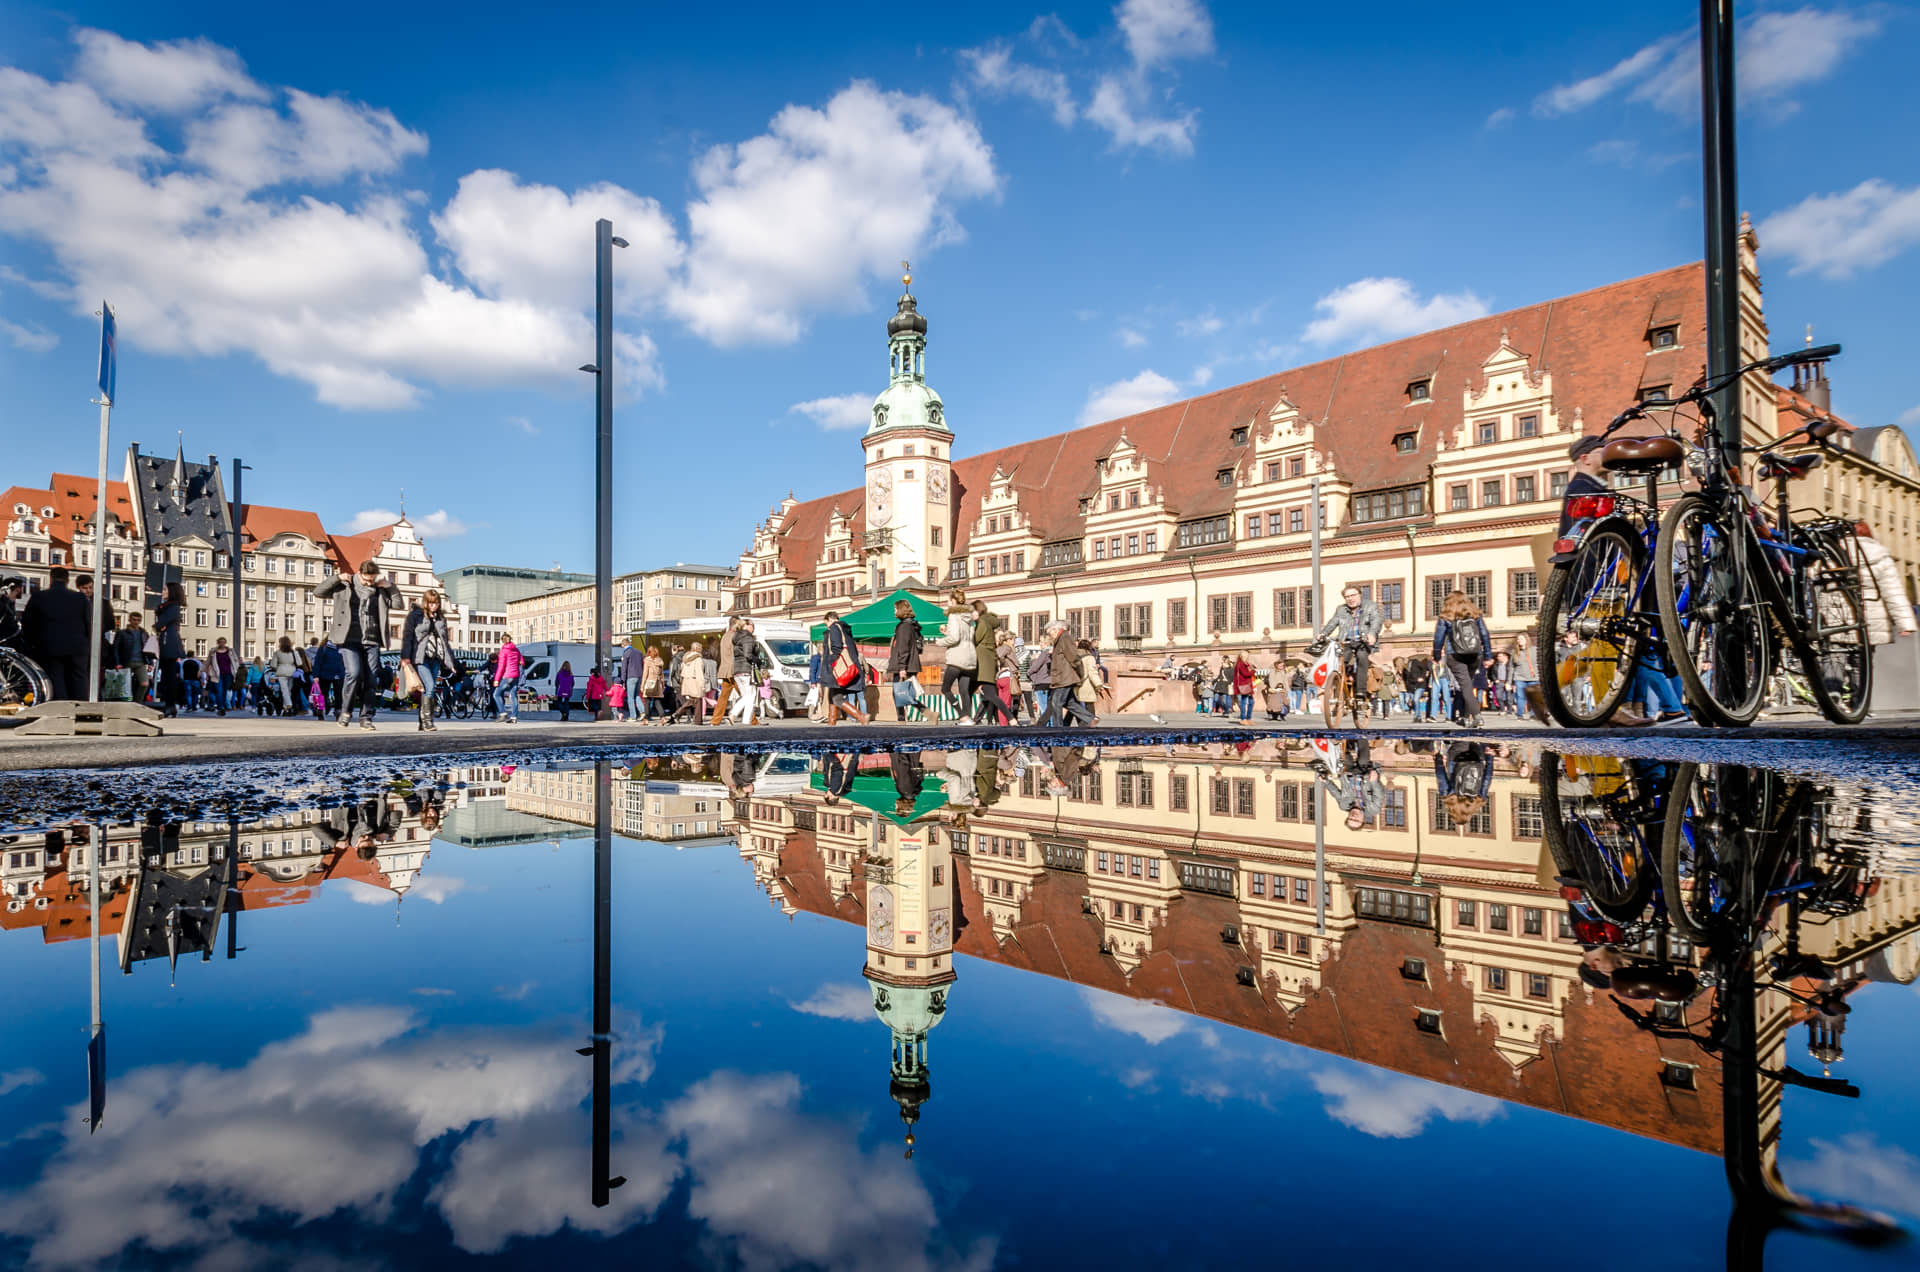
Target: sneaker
(1668, 717)
(367, 725)
(346, 722)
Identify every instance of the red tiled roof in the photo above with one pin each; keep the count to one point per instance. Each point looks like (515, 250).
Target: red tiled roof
(70, 497)
(350, 550)
(262, 522)
(1594, 343)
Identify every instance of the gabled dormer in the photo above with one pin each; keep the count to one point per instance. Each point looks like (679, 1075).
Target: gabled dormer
(1513, 401)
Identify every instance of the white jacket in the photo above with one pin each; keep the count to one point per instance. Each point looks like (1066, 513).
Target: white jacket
(1890, 611)
(958, 641)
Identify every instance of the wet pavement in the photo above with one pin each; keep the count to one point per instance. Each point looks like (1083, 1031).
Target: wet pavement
(1168, 1001)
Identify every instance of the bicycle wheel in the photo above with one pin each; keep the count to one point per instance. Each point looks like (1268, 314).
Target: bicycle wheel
(1333, 698)
(1711, 613)
(22, 682)
(1838, 657)
(1589, 844)
(1585, 622)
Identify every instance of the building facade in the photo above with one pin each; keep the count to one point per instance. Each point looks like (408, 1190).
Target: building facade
(1435, 463)
(676, 591)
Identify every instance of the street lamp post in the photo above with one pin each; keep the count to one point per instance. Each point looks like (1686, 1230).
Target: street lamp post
(602, 368)
(1722, 209)
(238, 514)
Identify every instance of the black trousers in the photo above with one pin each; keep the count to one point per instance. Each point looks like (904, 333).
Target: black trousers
(991, 701)
(363, 670)
(66, 675)
(956, 685)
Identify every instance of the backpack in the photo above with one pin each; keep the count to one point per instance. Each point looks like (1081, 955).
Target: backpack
(1463, 638)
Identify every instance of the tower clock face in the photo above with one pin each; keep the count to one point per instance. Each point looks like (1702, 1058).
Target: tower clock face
(880, 498)
(880, 916)
(936, 485)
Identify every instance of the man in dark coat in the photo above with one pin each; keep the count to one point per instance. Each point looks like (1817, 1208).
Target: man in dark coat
(58, 629)
(359, 628)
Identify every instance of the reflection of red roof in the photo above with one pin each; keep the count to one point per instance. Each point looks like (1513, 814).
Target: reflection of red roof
(261, 523)
(68, 915)
(1594, 343)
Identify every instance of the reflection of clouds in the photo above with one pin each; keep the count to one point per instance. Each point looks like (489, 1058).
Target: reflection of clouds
(838, 1002)
(1151, 1022)
(785, 1189)
(1859, 1170)
(1390, 1106)
(331, 1119)
(433, 889)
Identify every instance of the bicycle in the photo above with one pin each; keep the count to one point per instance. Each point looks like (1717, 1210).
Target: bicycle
(1345, 689)
(1594, 612)
(23, 682)
(1729, 596)
(451, 702)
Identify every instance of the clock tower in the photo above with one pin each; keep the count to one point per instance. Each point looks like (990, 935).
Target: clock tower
(909, 450)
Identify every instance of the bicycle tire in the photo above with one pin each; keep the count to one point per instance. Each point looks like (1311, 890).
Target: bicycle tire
(1837, 656)
(1576, 704)
(1720, 646)
(22, 680)
(1682, 889)
(1618, 895)
(1331, 698)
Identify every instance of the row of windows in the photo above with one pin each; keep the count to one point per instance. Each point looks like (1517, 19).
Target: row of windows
(1127, 865)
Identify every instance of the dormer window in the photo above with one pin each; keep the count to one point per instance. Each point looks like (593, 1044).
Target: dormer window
(1239, 435)
(1654, 392)
(1663, 337)
(1406, 443)
(1224, 477)
(1420, 391)
(1086, 506)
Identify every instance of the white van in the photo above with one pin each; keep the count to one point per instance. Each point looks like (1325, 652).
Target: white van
(543, 664)
(783, 640)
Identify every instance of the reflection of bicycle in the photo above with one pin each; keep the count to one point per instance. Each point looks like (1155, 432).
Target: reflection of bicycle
(1601, 824)
(23, 682)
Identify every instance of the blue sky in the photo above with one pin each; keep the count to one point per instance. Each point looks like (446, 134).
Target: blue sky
(359, 253)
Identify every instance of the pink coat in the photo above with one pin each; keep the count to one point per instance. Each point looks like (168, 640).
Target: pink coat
(511, 663)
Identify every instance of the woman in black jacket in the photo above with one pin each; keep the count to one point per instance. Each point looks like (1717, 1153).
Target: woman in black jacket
(903, 655)
(427, 645)
(166, 630)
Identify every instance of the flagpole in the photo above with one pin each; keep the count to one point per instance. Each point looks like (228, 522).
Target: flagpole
(105, 400)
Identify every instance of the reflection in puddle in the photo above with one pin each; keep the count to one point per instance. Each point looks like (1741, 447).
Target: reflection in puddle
(1660, 948)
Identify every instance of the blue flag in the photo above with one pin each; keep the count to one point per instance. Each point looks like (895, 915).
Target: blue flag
(107, 358)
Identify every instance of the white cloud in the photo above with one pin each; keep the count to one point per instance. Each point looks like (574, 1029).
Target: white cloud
(1909, 417)
(524, 424)
(1501, 117)
(1202, 376)
(1859, 1170)
(1374, 309)
(1151, 1022)
(1619, 151)
(439, 524)
(32, 337)
(1128, 397)
(226, 217)
(1779, 53)
(1390, 1106)
(167, 78)
(1200, 324)
(15, 1079)
(1837, 235)
(844, 411)
(1132, 100)
(993, 69)
(838, 1002)
(805, 216)
(1131, 339)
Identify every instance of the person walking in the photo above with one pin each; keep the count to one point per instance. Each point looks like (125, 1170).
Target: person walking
(1086, 694)
(1243, 686)
(841, 647)
(1297, 686)
(426, 645)
(130, 651)
(596, 692)
(723, 653)
(1526, 673)
(987, 627)
(329, 668)
(286, 669)
(58, 627)
(1006, 675)
(563, 691)
(12, 588)
(1275, 692)
(746, 678)
(506, 681)
(693, 684)
(632, 669)
(1460, 640)
(1417, 675)
(166, 631)
(257, 687)
(1063, 672)
(963, 660)
(1040, 676)
(652, 685)
(361, 601)
(903, 652)
(223, 672)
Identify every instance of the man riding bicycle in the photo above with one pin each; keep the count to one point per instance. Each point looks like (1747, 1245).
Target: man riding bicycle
(1356, 624)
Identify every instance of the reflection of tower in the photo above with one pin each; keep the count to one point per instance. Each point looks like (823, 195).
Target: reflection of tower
(910, 956)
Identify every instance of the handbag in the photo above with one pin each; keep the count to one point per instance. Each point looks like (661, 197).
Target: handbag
(318, 697)
(409, 682)
(845, 669)
(906, 693)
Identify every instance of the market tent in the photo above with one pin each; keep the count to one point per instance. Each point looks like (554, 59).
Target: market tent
(876, 791)
(873, 624)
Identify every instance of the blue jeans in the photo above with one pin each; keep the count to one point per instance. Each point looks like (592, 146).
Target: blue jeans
(1246, 706)
(1655, 690)
(1441, 705)
(1520, 688)
(506, 698)
(226, 692)
(633, 697)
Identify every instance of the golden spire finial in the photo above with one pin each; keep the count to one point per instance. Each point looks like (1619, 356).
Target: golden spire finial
(906, 274)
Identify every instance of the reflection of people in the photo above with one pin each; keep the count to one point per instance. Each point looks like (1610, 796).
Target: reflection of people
(837, 773)
(908, 776)
(1464, 773)
(1358, 789)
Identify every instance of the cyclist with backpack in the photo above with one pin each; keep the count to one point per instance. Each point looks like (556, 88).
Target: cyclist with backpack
(1461, 641)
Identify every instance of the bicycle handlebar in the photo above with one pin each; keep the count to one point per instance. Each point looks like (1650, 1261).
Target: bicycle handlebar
(1707, 388)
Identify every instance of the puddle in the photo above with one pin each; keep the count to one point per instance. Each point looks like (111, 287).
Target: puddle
(965, 1008)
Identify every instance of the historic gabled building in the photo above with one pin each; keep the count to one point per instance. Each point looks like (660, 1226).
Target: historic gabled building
(1439, 462)
(54, 525)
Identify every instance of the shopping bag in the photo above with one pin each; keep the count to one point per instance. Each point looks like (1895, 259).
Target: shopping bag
(906, 693)
(116, 685)
(408, 682)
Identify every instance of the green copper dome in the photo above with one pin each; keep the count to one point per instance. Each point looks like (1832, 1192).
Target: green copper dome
(908, 403)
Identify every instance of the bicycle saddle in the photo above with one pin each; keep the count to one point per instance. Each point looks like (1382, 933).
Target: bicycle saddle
(1790, 466)
(1640, 454)
(1667, 984)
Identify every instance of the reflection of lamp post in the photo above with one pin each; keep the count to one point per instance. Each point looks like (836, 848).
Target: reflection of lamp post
(97, 1033)
(601, 1048)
